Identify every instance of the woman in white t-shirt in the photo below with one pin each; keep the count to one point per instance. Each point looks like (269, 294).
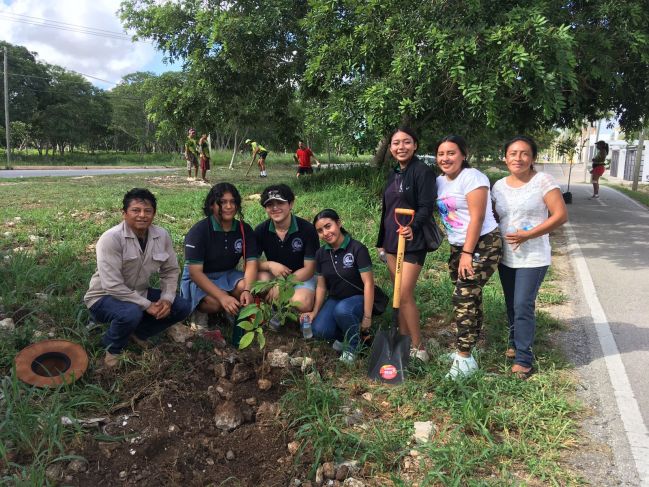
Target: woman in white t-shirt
(476, 246)
(522, 202)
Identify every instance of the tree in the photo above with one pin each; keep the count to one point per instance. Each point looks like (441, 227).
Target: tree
(475, 67)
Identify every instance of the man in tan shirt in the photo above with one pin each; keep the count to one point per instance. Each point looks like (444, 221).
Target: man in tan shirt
(127, 256)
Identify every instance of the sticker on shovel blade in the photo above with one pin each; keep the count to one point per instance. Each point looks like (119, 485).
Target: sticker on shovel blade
(388, 372)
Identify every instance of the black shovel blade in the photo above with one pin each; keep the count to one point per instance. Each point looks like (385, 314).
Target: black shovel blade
(389, 357)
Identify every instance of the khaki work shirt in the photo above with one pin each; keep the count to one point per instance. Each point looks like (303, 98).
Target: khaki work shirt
(124, 270)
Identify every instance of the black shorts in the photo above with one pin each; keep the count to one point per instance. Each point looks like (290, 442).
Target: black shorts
(263, 154)
(417, 257)
(305, 170)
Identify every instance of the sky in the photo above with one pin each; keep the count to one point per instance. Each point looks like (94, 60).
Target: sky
(107, 58)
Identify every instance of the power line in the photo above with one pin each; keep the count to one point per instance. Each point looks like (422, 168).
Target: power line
(67, 27)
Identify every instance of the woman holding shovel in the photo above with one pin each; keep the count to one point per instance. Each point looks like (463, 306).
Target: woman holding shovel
(411, 185)
(476, 245)
(344, 294)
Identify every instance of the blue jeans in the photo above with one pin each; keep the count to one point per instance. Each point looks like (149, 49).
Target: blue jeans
(127, 318)
(339, 319)
(521, 287)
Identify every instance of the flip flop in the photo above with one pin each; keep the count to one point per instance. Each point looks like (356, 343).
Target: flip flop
(521, 374)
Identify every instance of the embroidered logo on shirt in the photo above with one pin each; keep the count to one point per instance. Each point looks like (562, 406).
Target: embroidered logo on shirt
(297, 244)
(348, 261)
(238, 246)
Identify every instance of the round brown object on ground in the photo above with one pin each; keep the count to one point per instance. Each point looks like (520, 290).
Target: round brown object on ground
(51, 363)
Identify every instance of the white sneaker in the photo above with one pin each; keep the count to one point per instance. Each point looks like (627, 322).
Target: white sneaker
(198, 321)
(338, 346)
(462, 367)
(449, 357)
(419, 354)
(347, 358)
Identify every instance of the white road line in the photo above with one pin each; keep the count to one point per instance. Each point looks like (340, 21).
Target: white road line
(634, 427)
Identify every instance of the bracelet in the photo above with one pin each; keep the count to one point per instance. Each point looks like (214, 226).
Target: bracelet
(467, 252)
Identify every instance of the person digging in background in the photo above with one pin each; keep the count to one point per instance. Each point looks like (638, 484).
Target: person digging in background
(258, 150)
(128, 255)
(303, 157)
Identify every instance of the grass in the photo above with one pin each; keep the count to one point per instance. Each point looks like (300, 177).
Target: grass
(641, 195)
(489, 429)
(112, 158)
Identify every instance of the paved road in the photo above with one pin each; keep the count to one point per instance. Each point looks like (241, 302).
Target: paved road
(610, 254)
(33, 173)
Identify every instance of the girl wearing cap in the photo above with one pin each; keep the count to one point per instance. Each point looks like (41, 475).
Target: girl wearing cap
(345, 292)
(213, 248)
(289, 244)
(410, 185)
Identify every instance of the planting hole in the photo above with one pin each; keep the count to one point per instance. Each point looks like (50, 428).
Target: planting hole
(51, 364)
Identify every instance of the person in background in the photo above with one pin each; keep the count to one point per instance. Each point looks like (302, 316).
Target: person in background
(345, 291)
(528, 205)
(303, 157)
(599, 166)
(411, 184)
(128, 255)
(463, 199)
(258, 150)
(204, 149)
(213, 248)
(289, 244)
(191, 153)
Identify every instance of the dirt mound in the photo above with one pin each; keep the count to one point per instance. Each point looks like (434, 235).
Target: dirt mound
(194, 417)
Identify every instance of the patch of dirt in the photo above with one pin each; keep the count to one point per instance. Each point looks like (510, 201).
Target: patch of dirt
(172, 181)
(164, 432)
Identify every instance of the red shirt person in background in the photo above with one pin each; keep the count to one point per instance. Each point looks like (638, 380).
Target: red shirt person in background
(303, 157)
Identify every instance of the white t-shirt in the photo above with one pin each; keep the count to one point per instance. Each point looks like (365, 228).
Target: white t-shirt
(521, 209)
(452, 204)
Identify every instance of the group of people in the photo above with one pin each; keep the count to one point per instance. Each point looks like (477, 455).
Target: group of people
(197, 154)
(504, 229)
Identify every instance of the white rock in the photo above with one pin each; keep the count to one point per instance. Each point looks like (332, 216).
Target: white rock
(319, 477)
(352, 482)
(179, 333)
(7, 234)
(423, 431)
(34, 238)
(278, 359)
(303, 363)
(293, 447)
(7, 324)
(122, 475)
(367, 396)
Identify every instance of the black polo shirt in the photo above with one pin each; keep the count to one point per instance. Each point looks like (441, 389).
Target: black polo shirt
(350, 260)
(208, 244)
(299, 244)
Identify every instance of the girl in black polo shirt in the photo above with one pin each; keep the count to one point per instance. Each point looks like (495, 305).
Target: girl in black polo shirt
(345, 279)
(213, 248)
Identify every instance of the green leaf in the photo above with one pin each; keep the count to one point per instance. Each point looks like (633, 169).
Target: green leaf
(246, 340)
(261, 339)
(249, 310)
(246, 325)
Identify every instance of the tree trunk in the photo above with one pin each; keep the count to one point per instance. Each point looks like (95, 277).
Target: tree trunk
(382, 154)
(234, 149)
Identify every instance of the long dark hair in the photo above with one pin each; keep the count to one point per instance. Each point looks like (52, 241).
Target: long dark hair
(215, 195)
(601, 145)
(461, 144)
(332, 215)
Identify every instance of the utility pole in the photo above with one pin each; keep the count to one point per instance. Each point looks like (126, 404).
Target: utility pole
(638, 159)
(6, 76)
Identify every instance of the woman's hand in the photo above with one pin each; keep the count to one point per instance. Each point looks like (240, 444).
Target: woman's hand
(230, 304)
(518, 238)
(311, 315)
(278, 270)
(465, 268)
(366, 322)
(406, 232)
(245, 298)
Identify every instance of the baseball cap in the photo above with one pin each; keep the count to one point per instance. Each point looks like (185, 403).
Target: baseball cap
(248, 141)
(191, 130)
(279, 192)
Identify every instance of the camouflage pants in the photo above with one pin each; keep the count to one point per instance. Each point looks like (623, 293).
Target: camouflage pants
(467, 296)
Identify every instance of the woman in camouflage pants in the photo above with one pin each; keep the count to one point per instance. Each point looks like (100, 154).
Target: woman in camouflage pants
(464, 201)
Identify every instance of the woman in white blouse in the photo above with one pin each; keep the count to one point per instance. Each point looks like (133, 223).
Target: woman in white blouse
(529, 205)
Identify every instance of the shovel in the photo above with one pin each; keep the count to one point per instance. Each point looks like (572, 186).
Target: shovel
(390, 349)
